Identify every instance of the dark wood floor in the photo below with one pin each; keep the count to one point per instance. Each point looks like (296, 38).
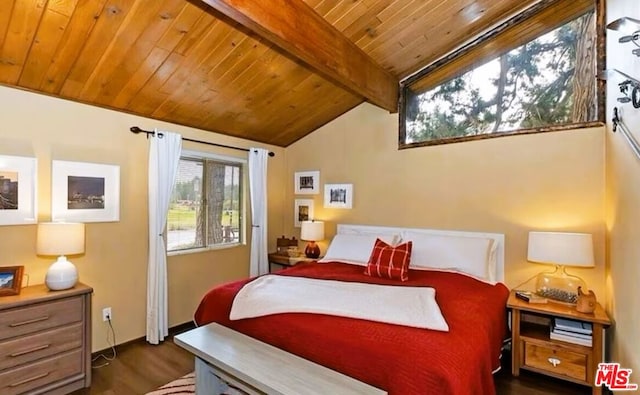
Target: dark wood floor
(140, 367)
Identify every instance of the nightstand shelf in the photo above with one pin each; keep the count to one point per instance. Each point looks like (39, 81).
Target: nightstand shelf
(534, 350)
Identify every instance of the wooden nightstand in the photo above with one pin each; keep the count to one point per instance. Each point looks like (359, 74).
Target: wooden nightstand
(285, 260)
(532, 348)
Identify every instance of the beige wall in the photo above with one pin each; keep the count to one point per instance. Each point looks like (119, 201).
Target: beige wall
(623, 204)
(510, 185)
(116, 253)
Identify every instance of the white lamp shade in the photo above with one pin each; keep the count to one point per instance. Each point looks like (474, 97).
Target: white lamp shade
(312, 230)
(60, 238)
(567, 249)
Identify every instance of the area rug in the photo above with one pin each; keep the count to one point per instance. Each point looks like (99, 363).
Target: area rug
(186, 385)
(182, 386)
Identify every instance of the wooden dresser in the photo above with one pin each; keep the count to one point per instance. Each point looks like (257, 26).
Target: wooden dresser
(45, 340)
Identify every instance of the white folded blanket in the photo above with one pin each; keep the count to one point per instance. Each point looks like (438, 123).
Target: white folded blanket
(400, 305)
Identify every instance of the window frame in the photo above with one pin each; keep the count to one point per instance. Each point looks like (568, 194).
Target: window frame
(242, 225)
(599, 7)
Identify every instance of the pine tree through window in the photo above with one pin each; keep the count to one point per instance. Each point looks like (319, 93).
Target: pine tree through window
(206, 205)
(547, 81)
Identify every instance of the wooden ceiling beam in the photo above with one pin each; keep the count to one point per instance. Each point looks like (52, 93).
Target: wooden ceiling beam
(297, 29)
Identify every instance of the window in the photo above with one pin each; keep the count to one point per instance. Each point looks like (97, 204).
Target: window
(506, 84)
(206, 204)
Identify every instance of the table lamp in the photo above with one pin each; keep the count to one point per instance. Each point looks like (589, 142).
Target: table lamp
(560, 249)
(312, 231)
(60, 238)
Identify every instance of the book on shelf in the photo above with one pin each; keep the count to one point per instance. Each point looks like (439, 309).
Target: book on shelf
(571, 339)
(530, 297)
(574, 334)
(573, 326)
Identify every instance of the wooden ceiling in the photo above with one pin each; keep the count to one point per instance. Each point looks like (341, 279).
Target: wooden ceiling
(271, 72)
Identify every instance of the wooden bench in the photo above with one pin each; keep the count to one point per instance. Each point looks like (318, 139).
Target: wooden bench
(258, 368)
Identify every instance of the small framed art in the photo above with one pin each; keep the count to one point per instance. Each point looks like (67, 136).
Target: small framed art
(85, 192)
(307, 182)
(18, 190)
(338, 196)
(303, 211)
(10, 280)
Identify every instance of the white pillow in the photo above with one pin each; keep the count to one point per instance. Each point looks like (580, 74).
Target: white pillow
(353, 248)
(475, 256)
(391, 237)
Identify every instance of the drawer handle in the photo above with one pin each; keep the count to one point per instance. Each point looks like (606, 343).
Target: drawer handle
(34, 349)
(25, 381)
(554, 361)
(33, 321)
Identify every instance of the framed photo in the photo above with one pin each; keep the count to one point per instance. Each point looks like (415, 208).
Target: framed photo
(18, 190)
(85, 192)
(307, 182)
(303, 211)
(338, 195)
(10, 280)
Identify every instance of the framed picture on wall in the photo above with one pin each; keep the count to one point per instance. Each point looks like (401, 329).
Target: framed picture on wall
(18, 190)
(307, 182)
(338, 196)
(303, 211)
(85, 192)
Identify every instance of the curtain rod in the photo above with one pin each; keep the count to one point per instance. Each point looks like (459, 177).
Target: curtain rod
(137, 130)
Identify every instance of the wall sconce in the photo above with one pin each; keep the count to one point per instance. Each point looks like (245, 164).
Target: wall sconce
(630, 87)
(631, 28)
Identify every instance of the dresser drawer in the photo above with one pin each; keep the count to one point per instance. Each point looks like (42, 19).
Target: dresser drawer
(29, 348)
(41, 373)
(21, 321)
(567, 363)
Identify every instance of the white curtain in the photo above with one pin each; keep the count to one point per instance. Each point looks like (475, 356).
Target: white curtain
(164, 156)
(258, 190)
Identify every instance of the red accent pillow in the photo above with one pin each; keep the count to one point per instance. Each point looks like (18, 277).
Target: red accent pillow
(391, 262)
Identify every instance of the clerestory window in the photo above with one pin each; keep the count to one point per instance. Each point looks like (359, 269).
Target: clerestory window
(536, 84)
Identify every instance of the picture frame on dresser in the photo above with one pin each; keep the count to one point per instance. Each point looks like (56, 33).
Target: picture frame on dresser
(10, 280)
(85, 192)
(18, 190)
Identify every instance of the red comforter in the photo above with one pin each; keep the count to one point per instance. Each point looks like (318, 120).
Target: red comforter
(398, 359)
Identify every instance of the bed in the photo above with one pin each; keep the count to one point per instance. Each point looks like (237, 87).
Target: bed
(466, 270)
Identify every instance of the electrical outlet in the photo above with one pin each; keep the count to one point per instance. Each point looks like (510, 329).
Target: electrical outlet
(106, 314)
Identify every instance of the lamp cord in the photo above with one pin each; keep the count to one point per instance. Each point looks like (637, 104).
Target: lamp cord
(113, 348)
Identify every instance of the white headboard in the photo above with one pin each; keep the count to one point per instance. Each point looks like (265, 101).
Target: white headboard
(497, 237)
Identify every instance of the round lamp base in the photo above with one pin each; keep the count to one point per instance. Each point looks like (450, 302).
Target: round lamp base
(559, 286)
(312, 250)
(61, 275)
